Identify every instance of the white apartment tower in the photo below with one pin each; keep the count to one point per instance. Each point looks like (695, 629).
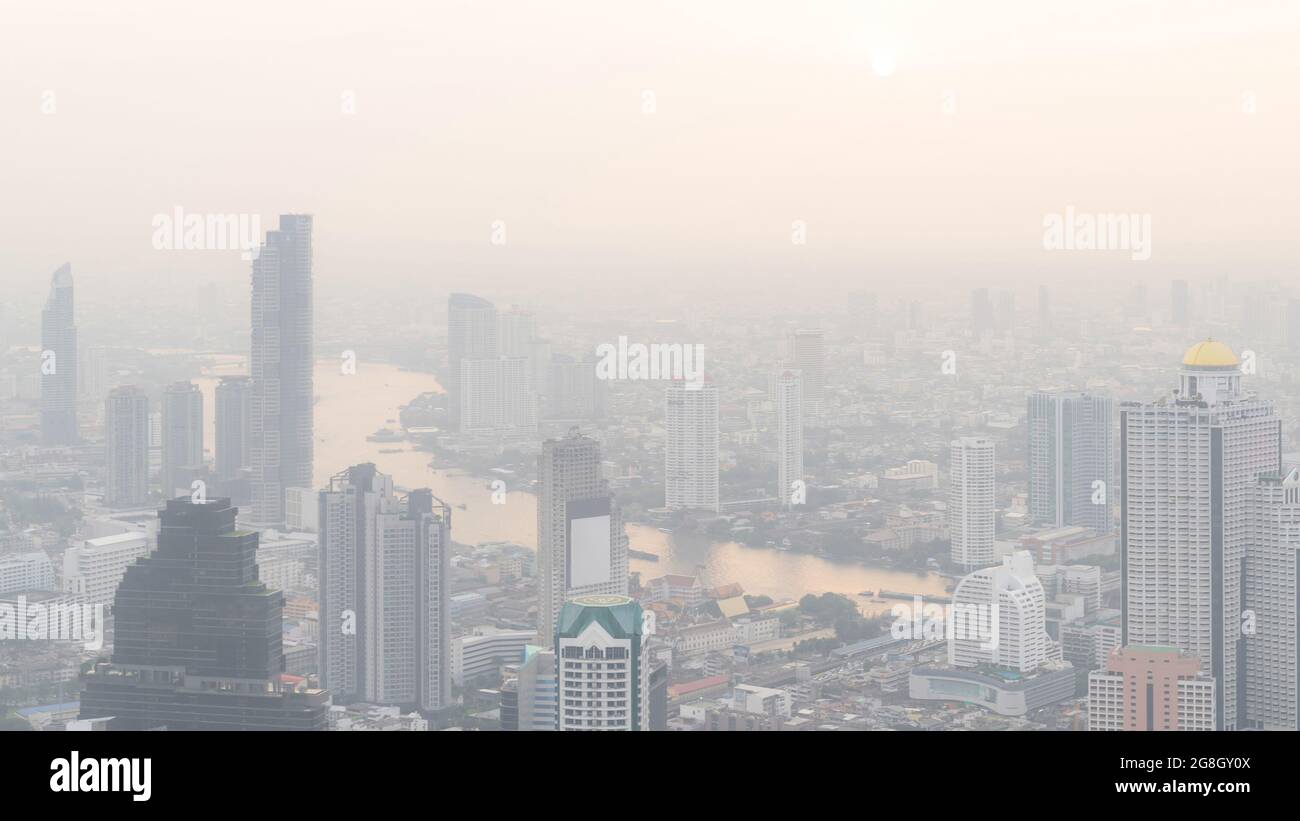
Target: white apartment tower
(126, 447)
(788, 397)
(581, 544)
(1187, 466)
(384, 604)
(999, 617)
(496, 396)
(691, 452)
(806, 353)
(971, 513)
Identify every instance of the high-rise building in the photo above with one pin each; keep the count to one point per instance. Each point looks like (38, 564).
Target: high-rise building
(1000, 617)
(517, 332)
(384, 599)
(59, 362)
(281, 403)
(572, 389)
(473, 330)
(1187, 463)
(92, 371)
(788, 396)
(1071, 460)
(806, 353)
(197, 636)
(232, 410)
(581, 544)
(302, 509)
(496, 396)
(691, 449)
(972, 518)
(126, 447)
(1271, 637)
(1147, 688)
(182, 437)
(604, 665)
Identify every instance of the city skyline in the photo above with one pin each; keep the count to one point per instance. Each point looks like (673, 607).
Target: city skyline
(899, 367)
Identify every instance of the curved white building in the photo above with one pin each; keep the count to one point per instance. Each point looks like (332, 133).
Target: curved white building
(998, 617)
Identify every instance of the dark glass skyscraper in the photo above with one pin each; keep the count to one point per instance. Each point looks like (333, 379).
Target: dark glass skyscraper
(197, 636)
(59, 362)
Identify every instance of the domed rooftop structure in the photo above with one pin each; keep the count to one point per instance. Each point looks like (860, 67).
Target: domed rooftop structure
(1211, 374)
(1210, 354)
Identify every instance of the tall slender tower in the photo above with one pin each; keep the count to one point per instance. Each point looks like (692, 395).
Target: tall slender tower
(182, 435)
(59, 362)
(280, 425)
(806, 353)
(972, 516)
(384, 605)
(691, 454)
(126, 447)
(788, 390)
(1071, 460)
(1187, 463)
(581, 544)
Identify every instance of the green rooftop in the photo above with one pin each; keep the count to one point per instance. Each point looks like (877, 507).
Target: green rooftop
(619, 616)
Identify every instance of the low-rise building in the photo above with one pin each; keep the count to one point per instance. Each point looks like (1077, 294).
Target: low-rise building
(1148, 687)
(1006, 693)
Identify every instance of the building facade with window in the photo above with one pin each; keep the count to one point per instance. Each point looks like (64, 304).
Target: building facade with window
(604, 664)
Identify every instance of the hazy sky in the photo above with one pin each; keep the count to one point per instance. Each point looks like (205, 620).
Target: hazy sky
(764, 113)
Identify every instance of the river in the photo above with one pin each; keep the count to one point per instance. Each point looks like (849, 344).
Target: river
(351, 407)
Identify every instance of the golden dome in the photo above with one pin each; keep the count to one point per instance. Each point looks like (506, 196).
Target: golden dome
(1210, 354)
